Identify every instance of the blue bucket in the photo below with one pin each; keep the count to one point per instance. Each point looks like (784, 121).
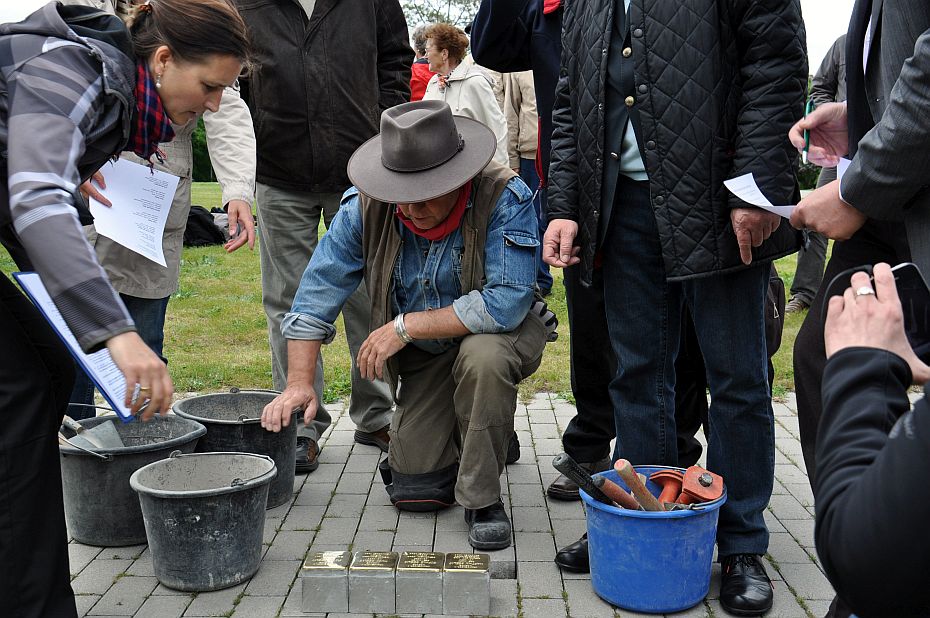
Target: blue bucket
(654, 562)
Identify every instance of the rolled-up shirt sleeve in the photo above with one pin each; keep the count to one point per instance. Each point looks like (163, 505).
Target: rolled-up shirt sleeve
(509, 266)
(334, 272)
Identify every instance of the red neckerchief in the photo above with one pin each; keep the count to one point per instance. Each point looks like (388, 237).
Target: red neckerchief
(551, 5)
(151, 124)
(448, 225)
(443, 80)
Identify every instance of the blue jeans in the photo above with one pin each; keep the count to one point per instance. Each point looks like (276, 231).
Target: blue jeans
(644, 323)
(149, 316)
(531, 178)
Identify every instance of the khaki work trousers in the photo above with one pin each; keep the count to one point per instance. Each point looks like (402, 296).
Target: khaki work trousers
(459, 406)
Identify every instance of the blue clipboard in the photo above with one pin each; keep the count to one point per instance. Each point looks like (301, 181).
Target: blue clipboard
(98, 365)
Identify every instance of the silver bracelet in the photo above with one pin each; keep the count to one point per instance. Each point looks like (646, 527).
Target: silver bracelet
(401, 329)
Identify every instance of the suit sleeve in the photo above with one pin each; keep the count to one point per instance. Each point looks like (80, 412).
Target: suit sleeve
(500, 34)
(892, 164)
(872, 455)
(394, 55)
(773, 72)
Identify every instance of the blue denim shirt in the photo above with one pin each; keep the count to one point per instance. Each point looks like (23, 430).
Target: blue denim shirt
(427, 275)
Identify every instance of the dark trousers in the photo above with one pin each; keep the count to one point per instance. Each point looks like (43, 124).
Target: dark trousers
(36, 374)
(593, 365)
(876, 241)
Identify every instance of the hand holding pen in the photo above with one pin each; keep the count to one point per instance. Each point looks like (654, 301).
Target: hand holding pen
(807, 134)
(822, 134)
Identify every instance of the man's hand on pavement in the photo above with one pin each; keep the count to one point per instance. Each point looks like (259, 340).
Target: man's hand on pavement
(752, 226)
(829, 135)
(277, 414)
(559, 248)
(871, 320)
(824, 211)
(381, 345)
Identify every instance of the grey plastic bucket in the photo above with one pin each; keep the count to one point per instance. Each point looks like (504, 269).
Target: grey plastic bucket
(233, 422)
(204, 517)
(100, 507)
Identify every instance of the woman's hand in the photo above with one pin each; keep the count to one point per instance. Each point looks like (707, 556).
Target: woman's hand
(88, 190)
(240, 214)
(143, 367)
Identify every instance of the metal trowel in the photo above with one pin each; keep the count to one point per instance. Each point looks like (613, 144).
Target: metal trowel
(102, 437)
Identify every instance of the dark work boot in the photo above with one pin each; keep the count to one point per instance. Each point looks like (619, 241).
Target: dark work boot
(574, 557)
(489, 527)
(307, 456)
(745, 587)
(513, 449)
(562, 488)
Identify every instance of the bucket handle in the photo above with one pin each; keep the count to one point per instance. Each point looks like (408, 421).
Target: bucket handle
(63, 440)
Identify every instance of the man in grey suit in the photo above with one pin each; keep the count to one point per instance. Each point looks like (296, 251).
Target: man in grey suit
(880, 211)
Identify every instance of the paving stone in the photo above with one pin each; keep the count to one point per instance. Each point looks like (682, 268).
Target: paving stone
(365, 462)
(80, 555)
(527, 495)
(504, 598)
(785, 550)
(129, 552)
(378, 496)
(701, 610)
(274, 578)
(289, 545)
(808, 581)
(374, 541)
(258, 607)
(582, 601)
(527, 455)
(124, 597)
(347, 505)
(545, 431)
(216, 603)
(163, 590)
(143, 566)
(548, 448)
(550, 608)
(326, 473)
(335, 454)
(84, 602)
(772, 522)
(535, 546)
(303, 518)
(518, 474)
(802, 530)
(538, 579)
(354, 483)
(98, 576)
(316, 494)
(379, 518)
(163, 607)
(338, 530)
(530, 519)
(787, 507)
(790, 473)
(802, 492)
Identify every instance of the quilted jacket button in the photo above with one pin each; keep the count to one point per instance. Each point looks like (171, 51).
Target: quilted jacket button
(598, 161)
(643, 88)
(629, 101)
(660, 200)
(650, 145)
(600, 106)
(638, 32)
(627, 52)
(604, 52)
(614, 156)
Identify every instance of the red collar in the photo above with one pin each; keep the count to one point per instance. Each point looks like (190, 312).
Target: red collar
(550, 6)
(448, 225)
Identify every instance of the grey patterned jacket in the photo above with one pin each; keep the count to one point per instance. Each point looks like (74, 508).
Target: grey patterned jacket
(66, 102)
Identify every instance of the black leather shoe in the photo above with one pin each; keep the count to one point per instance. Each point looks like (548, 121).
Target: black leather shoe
(380, 438)
(308, 456)
(745, 588)
(489, 528)
(563, 488)
(513, 449)
(574, 557)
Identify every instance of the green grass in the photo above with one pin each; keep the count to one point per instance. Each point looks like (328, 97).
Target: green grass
(216, 337)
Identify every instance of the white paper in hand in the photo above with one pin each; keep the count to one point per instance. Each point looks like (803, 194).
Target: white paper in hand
(745, 188)
(141, 199)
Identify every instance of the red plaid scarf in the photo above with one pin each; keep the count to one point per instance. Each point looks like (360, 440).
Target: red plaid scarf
(151, 125)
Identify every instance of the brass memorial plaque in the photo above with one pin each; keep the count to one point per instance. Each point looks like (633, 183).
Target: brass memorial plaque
(421, 561)
(468, 562)
(330, 560)
(374, 561)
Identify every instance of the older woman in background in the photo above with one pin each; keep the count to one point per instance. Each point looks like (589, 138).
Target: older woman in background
(465, 87)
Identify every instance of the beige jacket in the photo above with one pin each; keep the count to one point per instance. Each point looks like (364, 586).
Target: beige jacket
(471, 94)
(522, 119)
(231, 142)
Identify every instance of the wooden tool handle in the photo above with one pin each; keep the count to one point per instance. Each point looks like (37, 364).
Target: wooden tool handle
(643, 495)
(617, 494)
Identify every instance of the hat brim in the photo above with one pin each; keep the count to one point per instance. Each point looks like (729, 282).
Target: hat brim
(370, 176)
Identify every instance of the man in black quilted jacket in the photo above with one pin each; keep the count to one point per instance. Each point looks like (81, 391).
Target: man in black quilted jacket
(654, 110)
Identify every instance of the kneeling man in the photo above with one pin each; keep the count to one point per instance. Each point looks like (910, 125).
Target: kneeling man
(446, 242)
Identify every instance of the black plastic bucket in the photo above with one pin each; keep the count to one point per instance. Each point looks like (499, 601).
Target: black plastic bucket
(233, 422)
(204, 517)
(100, 507)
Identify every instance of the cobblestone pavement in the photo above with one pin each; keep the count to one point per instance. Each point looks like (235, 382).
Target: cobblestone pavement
(344, 504)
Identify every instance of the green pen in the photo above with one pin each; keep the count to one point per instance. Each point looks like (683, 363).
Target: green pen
(807, 134)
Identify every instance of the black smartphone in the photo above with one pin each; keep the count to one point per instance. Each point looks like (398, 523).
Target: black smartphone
(915, 302)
